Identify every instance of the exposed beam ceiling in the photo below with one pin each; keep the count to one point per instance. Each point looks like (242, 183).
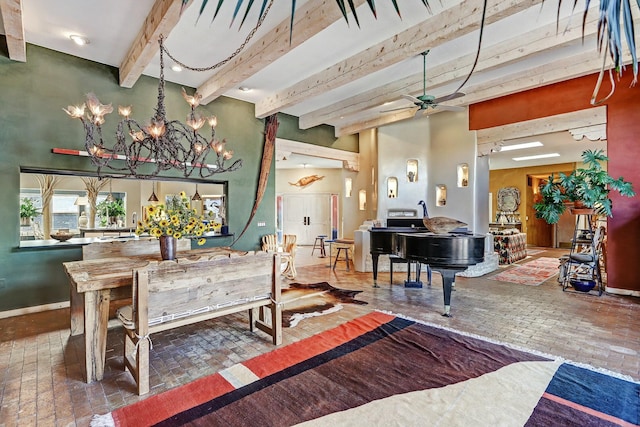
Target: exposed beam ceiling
(310, 20)
(164, 16)
(11, 12)
(330, 72)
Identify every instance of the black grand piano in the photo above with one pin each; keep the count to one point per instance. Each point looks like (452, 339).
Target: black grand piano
(447, 254)
(384, 241)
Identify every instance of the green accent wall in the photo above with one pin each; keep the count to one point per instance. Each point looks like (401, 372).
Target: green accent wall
(32, 123)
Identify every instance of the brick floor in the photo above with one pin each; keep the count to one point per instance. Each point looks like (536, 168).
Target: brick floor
(40, 364)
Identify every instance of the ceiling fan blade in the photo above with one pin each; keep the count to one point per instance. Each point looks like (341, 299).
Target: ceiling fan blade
(449, 97)
(397, 109)
(450, 108)
(412, 99)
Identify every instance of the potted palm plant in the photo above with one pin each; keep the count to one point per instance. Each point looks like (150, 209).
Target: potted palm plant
(27, 211)
(588, 186)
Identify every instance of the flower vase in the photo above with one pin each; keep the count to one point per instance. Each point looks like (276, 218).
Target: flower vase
(168, 246)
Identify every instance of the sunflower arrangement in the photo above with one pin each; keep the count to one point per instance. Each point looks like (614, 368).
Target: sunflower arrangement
(176, 219)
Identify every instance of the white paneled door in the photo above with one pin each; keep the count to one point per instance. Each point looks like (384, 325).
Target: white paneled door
(306, 216)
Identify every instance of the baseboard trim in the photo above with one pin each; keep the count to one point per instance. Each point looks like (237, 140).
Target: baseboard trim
(34, 309)
(623, 292)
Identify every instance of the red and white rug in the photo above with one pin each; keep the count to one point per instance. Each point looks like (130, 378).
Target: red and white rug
(532, 273)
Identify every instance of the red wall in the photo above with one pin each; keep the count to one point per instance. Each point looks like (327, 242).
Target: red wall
(623, 149)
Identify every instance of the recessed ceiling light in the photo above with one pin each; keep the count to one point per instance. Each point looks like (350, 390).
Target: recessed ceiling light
(176, 68)
(79, 40)
(539, 156)
(244, 88)
(521, 146)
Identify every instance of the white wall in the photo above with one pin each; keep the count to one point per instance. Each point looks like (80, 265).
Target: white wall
(440, 143)
(398, 143)
(451, 145)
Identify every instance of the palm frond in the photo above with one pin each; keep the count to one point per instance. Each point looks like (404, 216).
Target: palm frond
(372, 6)
(340, 3)
(353, 10)
(235, 11)
(246, 12)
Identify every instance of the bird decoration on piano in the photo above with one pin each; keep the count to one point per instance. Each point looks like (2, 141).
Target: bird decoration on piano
(439, 224)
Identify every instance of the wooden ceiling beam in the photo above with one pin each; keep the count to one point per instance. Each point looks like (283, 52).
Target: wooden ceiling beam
(505, 52)
(313, 17)
(162, 19)
(571, 67)
(11, 11)
(443, 27)
(494, 137)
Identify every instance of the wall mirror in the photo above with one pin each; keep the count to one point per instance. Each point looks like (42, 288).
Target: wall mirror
(119, 202)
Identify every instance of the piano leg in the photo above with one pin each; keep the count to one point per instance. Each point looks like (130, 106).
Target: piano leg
(448, 276)
(374, 258)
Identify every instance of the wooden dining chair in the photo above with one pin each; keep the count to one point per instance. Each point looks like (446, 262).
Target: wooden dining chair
(287, 250)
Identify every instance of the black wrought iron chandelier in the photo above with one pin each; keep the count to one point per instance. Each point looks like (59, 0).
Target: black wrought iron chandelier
(144, 151)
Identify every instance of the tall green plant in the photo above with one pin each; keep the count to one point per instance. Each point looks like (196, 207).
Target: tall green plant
(590, 185)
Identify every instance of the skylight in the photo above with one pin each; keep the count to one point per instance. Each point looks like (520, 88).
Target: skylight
(539, 156)
(521, 146)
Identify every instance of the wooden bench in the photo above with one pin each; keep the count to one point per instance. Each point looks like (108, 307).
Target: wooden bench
(113, 249)
(170, 294)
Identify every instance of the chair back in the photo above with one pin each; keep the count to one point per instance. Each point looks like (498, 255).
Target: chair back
(270, 243)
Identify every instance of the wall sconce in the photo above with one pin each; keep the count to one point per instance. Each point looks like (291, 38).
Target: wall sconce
(348, 185)
(441, 195)
(362, 199)
(463, 175)
(392, 187)
(412, 170)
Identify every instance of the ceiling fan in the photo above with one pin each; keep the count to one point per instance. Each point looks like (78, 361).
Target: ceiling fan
(424, 101)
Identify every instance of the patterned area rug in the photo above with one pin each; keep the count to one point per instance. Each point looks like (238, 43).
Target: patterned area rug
(534, 251)
(382, 370)
(531, 273)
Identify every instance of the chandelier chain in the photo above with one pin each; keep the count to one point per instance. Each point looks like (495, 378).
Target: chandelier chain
(233, 55)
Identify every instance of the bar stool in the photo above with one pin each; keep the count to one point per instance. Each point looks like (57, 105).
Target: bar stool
(319, 244)
(342, 246)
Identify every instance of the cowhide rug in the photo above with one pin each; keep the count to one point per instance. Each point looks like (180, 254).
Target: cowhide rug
(302, 301)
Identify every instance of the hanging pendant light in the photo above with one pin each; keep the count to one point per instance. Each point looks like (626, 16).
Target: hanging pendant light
(153, 197)
(196, 196)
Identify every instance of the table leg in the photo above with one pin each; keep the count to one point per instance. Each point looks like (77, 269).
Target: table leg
(96, 318)
(76, 306)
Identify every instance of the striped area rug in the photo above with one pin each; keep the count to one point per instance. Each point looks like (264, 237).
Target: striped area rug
(382, 370)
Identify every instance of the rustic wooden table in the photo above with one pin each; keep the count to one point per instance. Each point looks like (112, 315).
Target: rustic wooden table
(94, 283)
